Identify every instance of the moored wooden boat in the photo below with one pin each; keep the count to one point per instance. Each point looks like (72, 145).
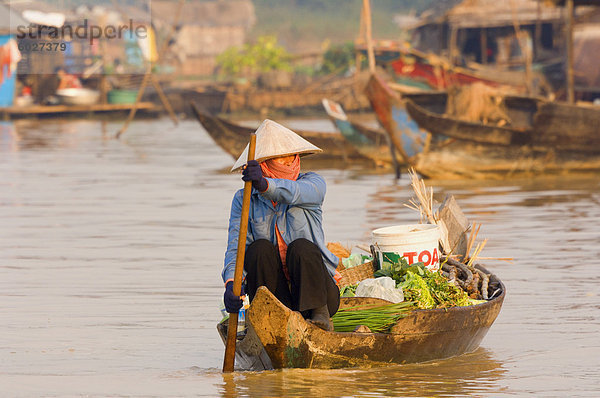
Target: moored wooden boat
(371, 143)
(281, 338)
(389, 108)
(531, 121)
(570, 127)
(412, 64)
(233, 138)
(428, 111)
(429, 71)
(461, 160)
(540, 137)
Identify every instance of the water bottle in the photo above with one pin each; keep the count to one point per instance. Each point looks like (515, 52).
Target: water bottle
(241, 326)
(242, 315)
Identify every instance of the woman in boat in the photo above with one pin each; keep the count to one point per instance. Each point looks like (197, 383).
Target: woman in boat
(285, 245)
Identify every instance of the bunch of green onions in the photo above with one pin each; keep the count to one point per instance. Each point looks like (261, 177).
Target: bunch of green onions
(379, 319)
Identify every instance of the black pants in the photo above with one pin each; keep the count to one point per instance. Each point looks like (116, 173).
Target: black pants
(310, 284)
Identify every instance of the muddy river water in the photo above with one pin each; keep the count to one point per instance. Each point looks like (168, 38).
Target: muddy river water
(111, 251)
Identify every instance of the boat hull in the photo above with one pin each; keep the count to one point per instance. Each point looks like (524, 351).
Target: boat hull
(568, 127)
(463, 160)
(370, 143)
(542, 138)
(406, 135)
(533, 121)
(424, 335)
(233, 138)
(427, 110)
(418, 69)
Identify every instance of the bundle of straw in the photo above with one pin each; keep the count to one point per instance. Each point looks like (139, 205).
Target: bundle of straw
(477, 103)
(424, 205)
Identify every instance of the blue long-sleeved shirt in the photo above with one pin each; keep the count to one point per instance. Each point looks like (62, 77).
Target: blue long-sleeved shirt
(298, 214)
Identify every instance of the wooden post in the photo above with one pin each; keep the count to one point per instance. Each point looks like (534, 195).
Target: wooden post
(538, 30)
(358, 62)
(452, 45)
(368, 34)
(569, 37)
(149, 78)
(360, 40)
(443, 77)
(137, 101)
(484, 59)
(521, 39)
(398, 144)
(164, 100)
(395, 162)
(103, 87)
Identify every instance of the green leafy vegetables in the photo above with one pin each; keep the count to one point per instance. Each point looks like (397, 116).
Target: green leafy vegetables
(348, 291)
(428, 289)
(423, 289)
(379, 318)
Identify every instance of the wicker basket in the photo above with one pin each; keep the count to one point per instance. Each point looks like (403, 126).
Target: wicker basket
(350, 276)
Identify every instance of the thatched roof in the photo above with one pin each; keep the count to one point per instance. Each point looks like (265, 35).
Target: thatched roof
(9, 20)
(575, 2)
(439, 9)
(209, 13)
(500, 13)
(490, 13)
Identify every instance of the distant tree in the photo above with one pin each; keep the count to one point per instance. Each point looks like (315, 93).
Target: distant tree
(250, 59)
(338, 59)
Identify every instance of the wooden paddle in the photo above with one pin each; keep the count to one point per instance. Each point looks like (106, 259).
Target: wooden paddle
(229, 359)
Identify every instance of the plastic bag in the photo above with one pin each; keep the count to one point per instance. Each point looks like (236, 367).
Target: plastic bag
(355, 259)
(383, 288)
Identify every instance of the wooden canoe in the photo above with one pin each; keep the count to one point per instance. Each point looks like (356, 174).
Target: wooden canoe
(567, 127)
(427, 110)
(371, 143)
(280, 338)
(465, 160)
(534, 122)
(233, 138)
(408, 138)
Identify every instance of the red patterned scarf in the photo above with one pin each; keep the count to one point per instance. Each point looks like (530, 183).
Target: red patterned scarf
(272, 169)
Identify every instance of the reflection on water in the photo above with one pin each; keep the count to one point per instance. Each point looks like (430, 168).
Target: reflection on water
(454, 377)
(110, 255)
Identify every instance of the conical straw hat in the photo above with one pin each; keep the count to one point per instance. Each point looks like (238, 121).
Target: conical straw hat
(272, 141)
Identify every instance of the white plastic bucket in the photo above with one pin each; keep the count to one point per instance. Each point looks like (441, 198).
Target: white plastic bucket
(415, 242)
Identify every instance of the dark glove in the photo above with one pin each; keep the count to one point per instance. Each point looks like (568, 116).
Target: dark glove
(253, 172)
(232, 302)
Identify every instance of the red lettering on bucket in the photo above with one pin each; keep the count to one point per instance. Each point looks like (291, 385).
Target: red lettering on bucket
(423, 254)
(410, 256)
(436, 257)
